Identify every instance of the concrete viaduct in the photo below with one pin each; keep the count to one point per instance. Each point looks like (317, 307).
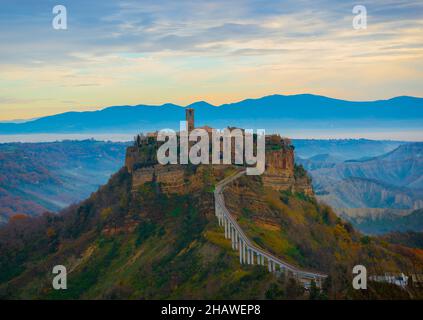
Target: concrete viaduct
(250, 253)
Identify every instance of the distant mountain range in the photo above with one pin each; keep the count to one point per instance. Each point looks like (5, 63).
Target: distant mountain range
(390, 185)
(266, 112)
(328, 152)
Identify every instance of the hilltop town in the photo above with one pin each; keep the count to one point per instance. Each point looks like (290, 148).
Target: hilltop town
(281, 173)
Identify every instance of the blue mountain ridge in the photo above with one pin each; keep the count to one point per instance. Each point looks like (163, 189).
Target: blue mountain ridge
(268, 109)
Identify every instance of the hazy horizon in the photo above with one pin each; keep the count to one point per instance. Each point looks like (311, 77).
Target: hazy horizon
(406, 136)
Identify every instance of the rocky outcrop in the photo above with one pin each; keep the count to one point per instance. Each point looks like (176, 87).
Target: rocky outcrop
(176, 179)
(280, 173)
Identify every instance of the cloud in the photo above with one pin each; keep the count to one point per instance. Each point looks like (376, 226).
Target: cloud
(148, 27)
(150, 51)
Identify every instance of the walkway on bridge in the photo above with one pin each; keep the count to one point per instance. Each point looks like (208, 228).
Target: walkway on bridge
(250, 253)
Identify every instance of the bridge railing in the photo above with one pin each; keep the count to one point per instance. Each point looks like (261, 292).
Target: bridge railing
(241, 239)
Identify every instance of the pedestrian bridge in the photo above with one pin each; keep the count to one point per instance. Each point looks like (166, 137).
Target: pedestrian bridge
(250, 253)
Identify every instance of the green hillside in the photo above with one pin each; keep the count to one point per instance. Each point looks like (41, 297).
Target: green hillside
(120, 244)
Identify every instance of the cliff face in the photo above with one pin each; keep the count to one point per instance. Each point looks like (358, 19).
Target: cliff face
(175, 179)
(279, 173)
(282, 173)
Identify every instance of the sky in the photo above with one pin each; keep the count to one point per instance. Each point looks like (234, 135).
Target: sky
(154, 52)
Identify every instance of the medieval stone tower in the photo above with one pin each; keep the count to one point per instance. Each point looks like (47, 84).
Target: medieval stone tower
(189, 116)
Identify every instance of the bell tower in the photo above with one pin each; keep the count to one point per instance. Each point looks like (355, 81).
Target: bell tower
(189, 118)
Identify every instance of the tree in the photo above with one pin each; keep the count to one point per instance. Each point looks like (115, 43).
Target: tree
(293, 289)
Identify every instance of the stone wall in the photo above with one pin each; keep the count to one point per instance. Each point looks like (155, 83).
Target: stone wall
(171, 178)
(141, 176)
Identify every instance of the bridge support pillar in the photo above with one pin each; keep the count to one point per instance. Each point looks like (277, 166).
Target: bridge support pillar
(240, 251)
(244, 258)
(233, 237)
(269, 265)
(216, 207)
(225, 222)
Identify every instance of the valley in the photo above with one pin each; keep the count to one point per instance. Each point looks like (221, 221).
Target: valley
(40, 177)
(372, 190)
